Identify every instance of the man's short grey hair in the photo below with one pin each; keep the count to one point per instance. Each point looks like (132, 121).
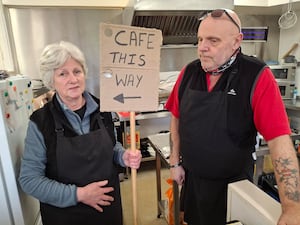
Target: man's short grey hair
(54, 56)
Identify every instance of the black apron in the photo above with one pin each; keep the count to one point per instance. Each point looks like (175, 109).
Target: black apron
(210, 157)
(81, 160)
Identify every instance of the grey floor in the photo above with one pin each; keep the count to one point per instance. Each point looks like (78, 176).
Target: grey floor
(146, 196)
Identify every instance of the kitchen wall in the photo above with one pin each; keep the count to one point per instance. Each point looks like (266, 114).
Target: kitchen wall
(263, 50)
(174, 57)
(33, 28)
(288, 37)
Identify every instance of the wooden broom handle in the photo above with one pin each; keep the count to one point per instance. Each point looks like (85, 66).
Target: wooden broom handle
(133, 171)
(291, 50)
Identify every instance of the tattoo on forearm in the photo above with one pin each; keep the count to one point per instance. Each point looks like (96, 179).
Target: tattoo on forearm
(289, 176)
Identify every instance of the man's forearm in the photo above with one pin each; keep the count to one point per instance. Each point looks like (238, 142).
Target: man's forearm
(287, 175)
(286, 170)
(174, 141)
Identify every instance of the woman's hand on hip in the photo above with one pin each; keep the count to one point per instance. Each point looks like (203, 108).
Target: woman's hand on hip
(95, 195)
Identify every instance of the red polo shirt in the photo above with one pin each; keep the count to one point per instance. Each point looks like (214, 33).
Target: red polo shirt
(270, 117)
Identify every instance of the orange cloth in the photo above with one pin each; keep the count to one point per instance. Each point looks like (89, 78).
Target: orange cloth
(169, 194)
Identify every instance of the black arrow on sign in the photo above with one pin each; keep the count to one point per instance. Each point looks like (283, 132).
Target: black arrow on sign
(120, 97)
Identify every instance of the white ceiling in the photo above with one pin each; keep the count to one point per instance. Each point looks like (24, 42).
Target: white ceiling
(267, 10)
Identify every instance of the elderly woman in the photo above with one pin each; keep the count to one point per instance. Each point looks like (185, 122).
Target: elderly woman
(71, 153)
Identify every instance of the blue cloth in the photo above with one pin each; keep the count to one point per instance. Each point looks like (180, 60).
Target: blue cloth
(33, 163)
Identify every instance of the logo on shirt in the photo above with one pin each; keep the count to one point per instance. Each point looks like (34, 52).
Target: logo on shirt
(231, 92)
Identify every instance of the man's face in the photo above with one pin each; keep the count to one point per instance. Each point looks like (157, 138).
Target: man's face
(218, 39)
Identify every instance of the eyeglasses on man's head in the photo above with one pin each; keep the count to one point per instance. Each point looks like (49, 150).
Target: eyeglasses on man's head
(218, 13)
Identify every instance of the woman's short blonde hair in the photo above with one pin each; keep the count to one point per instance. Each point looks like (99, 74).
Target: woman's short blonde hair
(54, 56)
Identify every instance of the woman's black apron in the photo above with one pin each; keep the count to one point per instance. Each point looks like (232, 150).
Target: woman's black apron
(210, 157)
(81, 160)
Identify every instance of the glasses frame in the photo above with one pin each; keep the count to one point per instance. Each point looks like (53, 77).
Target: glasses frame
(218, 13)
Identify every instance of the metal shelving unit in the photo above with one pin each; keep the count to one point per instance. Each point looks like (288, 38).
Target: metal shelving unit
(142, 116)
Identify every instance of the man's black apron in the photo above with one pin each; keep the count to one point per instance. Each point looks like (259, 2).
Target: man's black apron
(210, 157)
(81, 160)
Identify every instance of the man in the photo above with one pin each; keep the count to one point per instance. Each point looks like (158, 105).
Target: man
(218, 104)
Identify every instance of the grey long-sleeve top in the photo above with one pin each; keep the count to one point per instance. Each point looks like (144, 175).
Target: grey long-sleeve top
(33, 163)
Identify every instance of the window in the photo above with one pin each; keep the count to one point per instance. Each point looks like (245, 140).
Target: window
(6, 58)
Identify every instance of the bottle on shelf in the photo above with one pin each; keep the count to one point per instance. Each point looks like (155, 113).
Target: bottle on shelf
(295, 93)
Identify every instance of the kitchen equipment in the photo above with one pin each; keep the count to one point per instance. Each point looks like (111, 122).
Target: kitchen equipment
(286, 89)
(297, 77)
(252, 206)
(284, 72)
(290, 59)
(285, 76)
(268, 184)
(3, 74)
(288, 19)
(177, 20)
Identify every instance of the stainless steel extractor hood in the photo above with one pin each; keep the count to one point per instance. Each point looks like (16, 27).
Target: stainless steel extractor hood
(178, 20)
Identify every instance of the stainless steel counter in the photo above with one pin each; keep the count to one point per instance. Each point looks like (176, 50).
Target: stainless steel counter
(145, 115)
(292, 104)
(160, 142)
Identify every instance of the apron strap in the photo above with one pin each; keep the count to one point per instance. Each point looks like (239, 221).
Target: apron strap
(59, 130)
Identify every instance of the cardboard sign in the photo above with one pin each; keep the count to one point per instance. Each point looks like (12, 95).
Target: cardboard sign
(129, 68)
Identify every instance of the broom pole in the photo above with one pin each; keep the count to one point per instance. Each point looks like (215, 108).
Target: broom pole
(133, 171)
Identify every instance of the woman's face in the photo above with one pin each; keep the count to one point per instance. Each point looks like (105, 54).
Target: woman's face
(69, 80)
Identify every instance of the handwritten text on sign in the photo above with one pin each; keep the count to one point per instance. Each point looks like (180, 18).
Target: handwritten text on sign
(129, 68)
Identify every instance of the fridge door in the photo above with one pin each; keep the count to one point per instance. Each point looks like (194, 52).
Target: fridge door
(5, 217)
(16, 107)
